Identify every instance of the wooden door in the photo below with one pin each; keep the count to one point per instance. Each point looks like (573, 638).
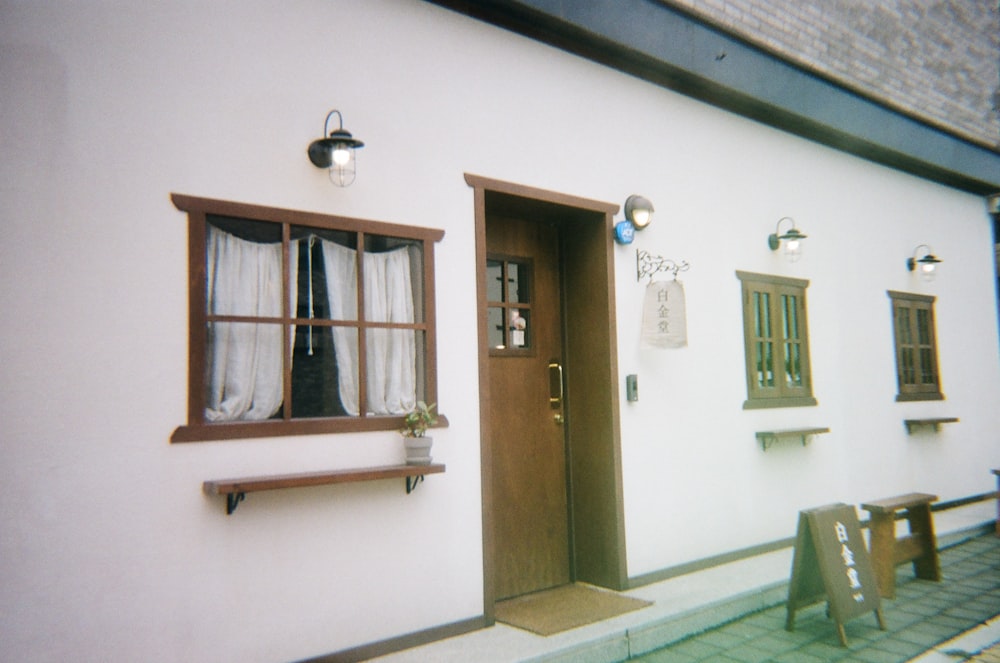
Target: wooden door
(524, 365)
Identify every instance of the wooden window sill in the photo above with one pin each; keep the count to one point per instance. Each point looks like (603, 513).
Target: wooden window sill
(916, 424)
(235, 490)
(769, 437)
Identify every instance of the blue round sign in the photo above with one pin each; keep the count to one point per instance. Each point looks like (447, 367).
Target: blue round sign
(624, 232)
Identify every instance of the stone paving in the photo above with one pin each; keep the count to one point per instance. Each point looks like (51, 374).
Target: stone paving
(923, 615)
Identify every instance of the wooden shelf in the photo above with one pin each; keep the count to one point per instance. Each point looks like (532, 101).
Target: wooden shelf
(769, 437)
(235, 490)
(912, 424)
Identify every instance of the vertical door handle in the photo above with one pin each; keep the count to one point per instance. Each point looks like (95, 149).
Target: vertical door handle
(555, 384)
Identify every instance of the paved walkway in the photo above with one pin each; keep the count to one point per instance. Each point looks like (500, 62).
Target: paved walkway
(921, 621)
(736, 612)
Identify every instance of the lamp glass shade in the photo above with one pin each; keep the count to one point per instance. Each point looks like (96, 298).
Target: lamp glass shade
(341, 154)
(793, 249)
(639, 211)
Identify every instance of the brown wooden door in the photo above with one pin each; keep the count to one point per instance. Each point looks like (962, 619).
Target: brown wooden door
(531, 524)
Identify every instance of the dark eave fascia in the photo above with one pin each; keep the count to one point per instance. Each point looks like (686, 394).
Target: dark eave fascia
(653, 41)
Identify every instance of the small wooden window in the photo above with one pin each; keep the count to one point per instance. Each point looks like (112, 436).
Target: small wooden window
(916, 347)
(777, 341)
(305, 323)
(509, 297)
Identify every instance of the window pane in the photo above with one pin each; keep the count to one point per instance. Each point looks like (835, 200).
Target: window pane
(315, 375)
(790, 318)
(494, 327)
(903, 325)
(243, 371)
(494, 281)
(334, 276)
(762, 314)
(517, 283)
(388, 286)
(520, 331)
(765, 364)
(927, 366)
(391, 371)
(907, 369)
(923, 326)
(793, 365)
(243, 277)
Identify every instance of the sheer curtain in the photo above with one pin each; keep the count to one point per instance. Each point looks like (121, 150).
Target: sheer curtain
(244, 361)
(391, 357)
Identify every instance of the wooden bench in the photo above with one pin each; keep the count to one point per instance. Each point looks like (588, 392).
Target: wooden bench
(888, 551)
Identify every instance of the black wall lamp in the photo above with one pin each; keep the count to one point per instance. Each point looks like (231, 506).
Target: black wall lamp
(336, 151)
(993, 204)
(791, 237)
(927, 263)
(638, 214)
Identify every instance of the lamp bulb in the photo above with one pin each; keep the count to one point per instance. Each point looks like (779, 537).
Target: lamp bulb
(341, 155)
(793, 250)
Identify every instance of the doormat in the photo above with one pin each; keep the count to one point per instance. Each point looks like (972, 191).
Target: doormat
(562, 608)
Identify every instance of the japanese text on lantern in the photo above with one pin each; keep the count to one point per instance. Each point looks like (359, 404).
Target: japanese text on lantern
(663, 311)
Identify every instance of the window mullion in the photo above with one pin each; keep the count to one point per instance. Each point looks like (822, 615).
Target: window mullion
(362, 331)
(287, 314)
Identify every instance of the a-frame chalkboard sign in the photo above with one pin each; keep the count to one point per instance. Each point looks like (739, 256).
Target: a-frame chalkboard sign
(831, 562)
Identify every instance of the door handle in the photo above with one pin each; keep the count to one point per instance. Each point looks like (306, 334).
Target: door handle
(555, 384)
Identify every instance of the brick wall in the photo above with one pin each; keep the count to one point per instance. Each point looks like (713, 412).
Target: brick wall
(936, 60)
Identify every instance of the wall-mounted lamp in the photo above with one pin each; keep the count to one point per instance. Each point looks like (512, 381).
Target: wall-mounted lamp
(791, 237)
(993, 204)
(927, 263)
(638, 214)
(336, 152)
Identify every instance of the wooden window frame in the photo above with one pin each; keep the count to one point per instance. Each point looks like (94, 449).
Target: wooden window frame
(197, 429)
(781, 394)
(916, 390)
(505, 304)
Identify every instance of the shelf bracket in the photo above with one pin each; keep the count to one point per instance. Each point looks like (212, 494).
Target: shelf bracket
(411, 483)
(233, 500)
(768, 438)
(915, 424)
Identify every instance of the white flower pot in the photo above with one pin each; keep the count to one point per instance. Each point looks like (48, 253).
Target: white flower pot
(418, 450)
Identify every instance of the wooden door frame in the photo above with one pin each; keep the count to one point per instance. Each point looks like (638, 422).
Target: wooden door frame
(597, 540)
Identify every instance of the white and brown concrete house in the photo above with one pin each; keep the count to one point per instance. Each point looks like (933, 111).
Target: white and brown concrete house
(197, 319)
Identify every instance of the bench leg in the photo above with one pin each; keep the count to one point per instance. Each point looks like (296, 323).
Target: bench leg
(997, 473)
(883, 550)
(927, 566)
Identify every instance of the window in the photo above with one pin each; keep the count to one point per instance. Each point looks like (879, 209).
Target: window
(777, 341)
(304, 323)
(916, 347)
(508, 291)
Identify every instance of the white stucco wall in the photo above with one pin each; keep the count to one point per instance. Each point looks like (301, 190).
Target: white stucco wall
(110, 551)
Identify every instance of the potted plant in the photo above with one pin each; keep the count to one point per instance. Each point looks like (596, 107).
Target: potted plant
(415, 440)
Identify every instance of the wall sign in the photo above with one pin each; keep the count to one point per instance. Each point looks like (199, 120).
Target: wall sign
(831, 562)
(664, 316)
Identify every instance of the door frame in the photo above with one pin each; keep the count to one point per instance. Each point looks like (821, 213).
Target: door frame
(593, 432)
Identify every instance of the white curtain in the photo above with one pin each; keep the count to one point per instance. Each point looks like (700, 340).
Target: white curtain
(391, 357)
(244, 361)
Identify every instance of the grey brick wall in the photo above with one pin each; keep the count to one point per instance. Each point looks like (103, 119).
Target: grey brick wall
(936, 60)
